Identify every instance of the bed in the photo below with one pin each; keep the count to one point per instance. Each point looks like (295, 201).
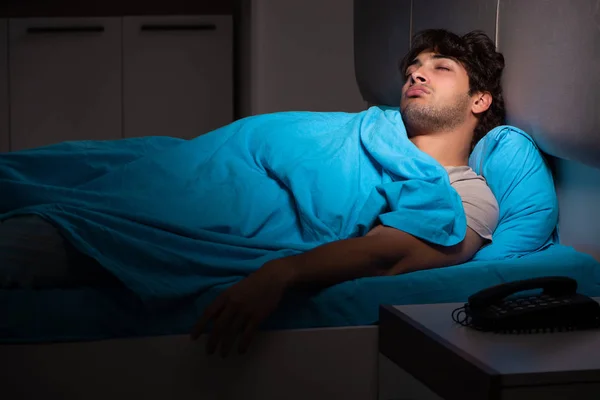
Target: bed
(325, 346)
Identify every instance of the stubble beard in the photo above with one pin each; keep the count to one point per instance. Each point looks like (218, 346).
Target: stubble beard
(430, 118)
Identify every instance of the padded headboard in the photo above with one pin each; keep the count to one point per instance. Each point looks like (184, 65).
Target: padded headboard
(552, 52)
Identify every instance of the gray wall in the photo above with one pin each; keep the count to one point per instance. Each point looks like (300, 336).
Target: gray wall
(578, 189)
(297, 55)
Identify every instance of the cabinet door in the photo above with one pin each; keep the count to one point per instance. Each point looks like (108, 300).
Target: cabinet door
(178, 75)
(4, 125)
(65, 80)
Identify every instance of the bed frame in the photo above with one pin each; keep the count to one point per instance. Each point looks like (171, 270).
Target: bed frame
(327, 363)
(279, 365)
(345, 363)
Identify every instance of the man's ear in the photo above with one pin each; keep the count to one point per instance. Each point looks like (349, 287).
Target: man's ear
(481, 102)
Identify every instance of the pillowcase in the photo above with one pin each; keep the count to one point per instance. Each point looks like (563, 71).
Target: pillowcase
(521, 181)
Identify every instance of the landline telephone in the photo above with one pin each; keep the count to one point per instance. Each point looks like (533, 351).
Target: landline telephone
(559, 307)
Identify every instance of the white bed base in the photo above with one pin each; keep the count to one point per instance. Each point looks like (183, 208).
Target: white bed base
(329, 363)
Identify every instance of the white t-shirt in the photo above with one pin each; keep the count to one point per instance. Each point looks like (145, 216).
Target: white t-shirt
(480, 204)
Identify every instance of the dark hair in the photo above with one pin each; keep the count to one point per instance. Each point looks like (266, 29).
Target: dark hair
(477, 54)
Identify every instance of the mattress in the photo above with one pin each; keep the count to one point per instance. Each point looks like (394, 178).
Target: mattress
(86, 313)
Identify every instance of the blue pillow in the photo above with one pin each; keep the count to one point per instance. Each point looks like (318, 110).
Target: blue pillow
(522, 183)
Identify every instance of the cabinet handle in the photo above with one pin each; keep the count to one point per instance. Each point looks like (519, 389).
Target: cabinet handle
(194, 27)
(64, 29)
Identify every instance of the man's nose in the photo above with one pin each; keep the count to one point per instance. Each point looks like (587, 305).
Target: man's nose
(417, 76)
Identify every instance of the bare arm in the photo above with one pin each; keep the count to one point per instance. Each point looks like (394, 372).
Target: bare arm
(383, 251)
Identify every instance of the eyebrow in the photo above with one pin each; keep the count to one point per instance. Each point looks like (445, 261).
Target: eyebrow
(435, 56)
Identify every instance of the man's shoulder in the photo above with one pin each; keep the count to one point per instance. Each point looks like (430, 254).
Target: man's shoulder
(480, 204)
(463, 173)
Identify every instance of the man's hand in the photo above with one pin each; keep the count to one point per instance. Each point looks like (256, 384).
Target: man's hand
(243, 307)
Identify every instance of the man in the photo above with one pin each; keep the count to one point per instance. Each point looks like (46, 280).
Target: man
(451, 97)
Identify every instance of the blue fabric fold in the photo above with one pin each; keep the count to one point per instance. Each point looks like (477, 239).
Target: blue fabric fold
(173, 218)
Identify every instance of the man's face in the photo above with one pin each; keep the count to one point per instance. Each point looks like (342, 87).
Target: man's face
(435, 95)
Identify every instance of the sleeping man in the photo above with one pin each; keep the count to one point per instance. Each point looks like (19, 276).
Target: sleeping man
(325, 204)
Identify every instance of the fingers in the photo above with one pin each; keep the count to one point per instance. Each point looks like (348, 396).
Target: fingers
(230, 323)
(247, 336)
(222, 326)
(210, 313)
(236, 326)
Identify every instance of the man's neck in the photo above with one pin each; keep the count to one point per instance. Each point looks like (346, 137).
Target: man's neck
(447, 148)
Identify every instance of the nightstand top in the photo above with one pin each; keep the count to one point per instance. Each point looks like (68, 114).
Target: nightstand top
(519, 359)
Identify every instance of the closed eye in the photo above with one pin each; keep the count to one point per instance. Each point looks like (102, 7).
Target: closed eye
(444, 68)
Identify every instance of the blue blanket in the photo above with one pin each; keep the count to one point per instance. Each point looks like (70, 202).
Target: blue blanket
(174, 218)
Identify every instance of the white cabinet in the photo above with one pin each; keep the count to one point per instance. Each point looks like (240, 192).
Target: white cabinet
(65, 80)
(177, 75)
(4, 124)
(105, 78)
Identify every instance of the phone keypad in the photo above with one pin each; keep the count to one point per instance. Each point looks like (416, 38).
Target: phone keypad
(528, 303)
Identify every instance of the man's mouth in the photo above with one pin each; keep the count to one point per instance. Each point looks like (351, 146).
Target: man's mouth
(416, 91)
